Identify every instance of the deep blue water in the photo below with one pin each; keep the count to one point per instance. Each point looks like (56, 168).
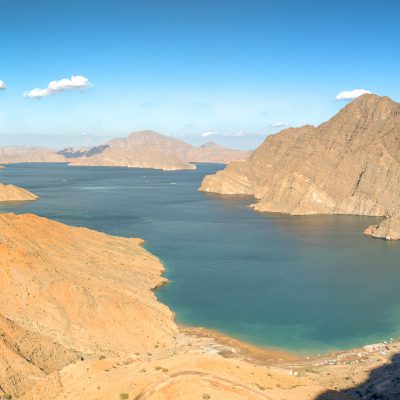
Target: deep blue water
(307, 284)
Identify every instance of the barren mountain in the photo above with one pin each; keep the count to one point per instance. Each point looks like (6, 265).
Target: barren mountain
(67, 291)
(20, 154)
(15, 193)
(211, 152)
(348, 165)
(148, 149)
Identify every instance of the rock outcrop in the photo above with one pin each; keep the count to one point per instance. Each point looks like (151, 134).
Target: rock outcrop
(22, 154)
(388, 229)
(148, 149)
(15, 193)
(348, 165)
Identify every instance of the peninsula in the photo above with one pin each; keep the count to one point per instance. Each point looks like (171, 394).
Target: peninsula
(15, 193)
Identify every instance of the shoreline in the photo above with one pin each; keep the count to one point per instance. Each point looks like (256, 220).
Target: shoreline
(232, 347)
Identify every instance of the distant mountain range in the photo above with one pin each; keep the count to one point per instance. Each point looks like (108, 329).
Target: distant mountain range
(19, 154)
(348, 165)
(145, 149)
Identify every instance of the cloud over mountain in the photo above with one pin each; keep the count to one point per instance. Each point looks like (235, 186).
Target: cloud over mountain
(351, 94)
(279, 124)
(76, 82)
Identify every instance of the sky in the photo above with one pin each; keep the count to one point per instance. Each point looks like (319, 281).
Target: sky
(80, 72)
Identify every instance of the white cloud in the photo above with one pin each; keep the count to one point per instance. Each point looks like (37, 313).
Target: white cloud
(76, 82)
(351, 94)
(2, 85)
(279, 124)
(233, 134)
(206, 134)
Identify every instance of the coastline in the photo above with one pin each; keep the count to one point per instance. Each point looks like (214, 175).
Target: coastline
(231, 347)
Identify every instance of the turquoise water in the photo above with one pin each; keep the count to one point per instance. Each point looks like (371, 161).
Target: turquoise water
(307, 284)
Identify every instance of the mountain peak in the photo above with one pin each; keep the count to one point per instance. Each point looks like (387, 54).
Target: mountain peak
(372, 106)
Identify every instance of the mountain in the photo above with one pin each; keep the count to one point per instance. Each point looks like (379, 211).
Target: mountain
(148, 149)
(347, 165)
(70, 152)
(21, 154)
(15, 193)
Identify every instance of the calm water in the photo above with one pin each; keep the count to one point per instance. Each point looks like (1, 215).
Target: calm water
(307, 284)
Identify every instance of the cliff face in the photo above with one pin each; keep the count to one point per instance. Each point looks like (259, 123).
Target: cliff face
(348, 165)
(149, 149)
(20, 154)
(15, 193)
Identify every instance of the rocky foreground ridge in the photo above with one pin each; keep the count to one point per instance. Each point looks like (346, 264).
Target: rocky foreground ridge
(348, 165)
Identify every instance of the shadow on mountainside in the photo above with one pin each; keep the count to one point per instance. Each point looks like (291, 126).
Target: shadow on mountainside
(383, 384)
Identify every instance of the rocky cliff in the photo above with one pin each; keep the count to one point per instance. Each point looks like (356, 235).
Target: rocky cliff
(148, 149)
(15, 193)
(348, 165)
(388, 229)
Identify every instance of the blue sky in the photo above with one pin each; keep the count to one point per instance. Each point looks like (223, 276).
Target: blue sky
(200, 70)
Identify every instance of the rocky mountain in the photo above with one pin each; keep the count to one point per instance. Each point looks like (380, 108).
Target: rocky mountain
(21, 154)
(15, 193)
(148, 149)
(347, 165)
(211, 152)
(70, 152)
